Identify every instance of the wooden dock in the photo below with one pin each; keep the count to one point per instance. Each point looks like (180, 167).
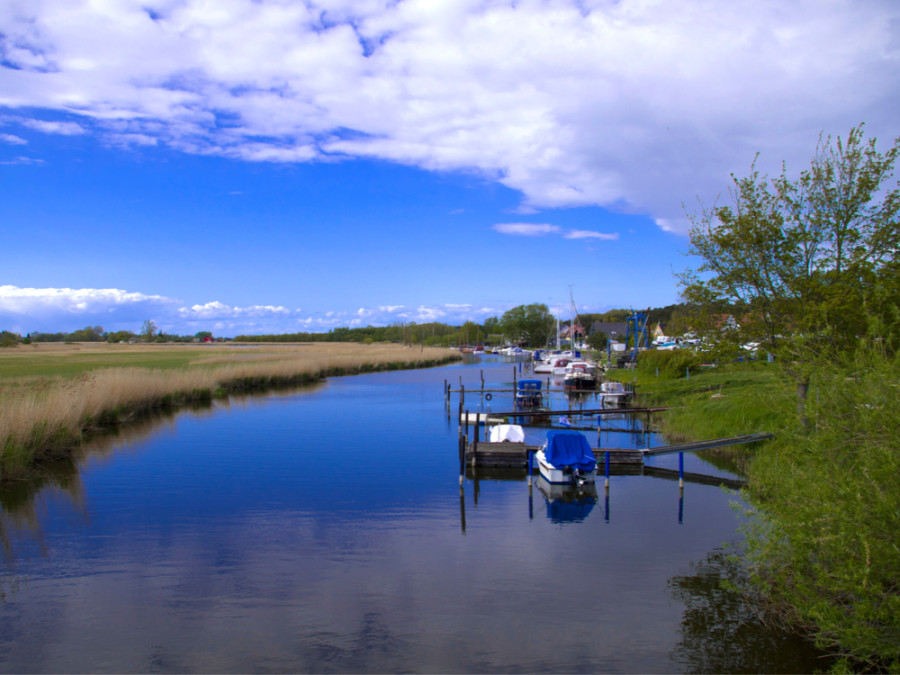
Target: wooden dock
(515, 455)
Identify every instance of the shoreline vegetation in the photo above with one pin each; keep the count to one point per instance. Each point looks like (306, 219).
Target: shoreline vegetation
(822, 549)
(53, 396)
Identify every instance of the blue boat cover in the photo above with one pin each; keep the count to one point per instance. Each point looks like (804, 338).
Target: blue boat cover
(569, 448)
(529, 385)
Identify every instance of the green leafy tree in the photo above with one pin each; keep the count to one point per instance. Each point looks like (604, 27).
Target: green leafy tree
(148, 330)
(9, 339)
(529, 325)
(598, 340)
(813, 260)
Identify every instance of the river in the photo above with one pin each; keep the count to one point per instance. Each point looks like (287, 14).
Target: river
(325, 530)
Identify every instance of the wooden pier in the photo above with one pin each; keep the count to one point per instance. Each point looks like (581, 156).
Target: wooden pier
(476, 454)
(515, 455)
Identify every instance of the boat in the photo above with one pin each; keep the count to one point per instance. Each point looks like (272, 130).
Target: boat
(613, 394)
(528, 393)
(516, 352)
(566, 458)
(579, 375)
(506, 433)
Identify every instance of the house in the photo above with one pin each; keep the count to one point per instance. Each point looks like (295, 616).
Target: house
(614, 331)
(724, 322)
(658, 332)
(572, 330)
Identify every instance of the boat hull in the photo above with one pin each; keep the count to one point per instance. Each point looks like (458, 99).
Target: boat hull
(562, 476)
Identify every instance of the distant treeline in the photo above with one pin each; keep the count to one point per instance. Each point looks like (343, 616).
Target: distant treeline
(677, 319)
(97, 334)
(431, 334)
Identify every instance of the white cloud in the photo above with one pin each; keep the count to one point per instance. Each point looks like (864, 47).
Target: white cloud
(22, 160)
(219, 311)
(637, 105)
(542, 229)
(52, 310)
(66, 309)
(526, 229)
(61, 128)
(590, 234)
(12, 140)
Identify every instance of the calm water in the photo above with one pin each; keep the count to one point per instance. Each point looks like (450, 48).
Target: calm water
(324, 530)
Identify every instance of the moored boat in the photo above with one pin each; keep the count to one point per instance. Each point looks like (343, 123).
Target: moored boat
(566, 458)
(528, 393)
(613, 394)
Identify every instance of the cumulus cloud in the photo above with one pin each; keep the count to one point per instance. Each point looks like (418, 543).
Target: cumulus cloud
(636, 105)
(53, 310)
(65, 309)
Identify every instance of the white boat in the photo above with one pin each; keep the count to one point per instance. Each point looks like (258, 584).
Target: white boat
(566, 458)
(515, 351)
(613, 394)
(580, 375)
(506, 433)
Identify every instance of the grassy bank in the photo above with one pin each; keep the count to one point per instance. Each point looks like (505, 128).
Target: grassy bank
(53, 395)
(823, 550)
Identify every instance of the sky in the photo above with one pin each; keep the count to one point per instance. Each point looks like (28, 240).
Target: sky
(278, 166)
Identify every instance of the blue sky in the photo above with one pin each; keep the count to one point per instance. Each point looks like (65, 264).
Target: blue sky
(257, 166)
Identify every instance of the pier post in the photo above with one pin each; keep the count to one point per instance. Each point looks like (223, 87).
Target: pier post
(681, 470)
(607, 471)
(462, 460)
(530, 466)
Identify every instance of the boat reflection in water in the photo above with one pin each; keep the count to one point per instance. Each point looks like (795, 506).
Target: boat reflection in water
(567, 503)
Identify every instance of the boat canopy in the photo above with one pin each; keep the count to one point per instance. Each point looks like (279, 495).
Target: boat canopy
(511, 433)
(529, 385)
(569, 448)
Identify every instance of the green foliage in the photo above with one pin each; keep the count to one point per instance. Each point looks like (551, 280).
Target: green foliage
(8, 339)
(674, 363)
(827, 540)
(120, 336)
(148, 331)
(813, 256)
(598, 340)
(528, 325)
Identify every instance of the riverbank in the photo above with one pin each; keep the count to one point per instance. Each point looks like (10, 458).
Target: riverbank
(53, 396)
(822, 545)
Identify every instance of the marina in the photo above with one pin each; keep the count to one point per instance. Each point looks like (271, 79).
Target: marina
(267, 533)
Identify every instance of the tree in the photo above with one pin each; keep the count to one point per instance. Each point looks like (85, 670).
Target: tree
(598, 340)
(148, 330)
(813, 260)
(529, 325)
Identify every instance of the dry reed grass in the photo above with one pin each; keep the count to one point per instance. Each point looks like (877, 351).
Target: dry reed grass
(47, 415)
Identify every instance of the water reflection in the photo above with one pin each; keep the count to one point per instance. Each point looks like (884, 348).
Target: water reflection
(722, 632)
(327, 531)
(567, 503)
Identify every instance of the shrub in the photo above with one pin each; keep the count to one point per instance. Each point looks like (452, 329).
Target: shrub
(674, 363)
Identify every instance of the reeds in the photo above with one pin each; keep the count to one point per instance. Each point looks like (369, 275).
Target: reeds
(40, 418)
